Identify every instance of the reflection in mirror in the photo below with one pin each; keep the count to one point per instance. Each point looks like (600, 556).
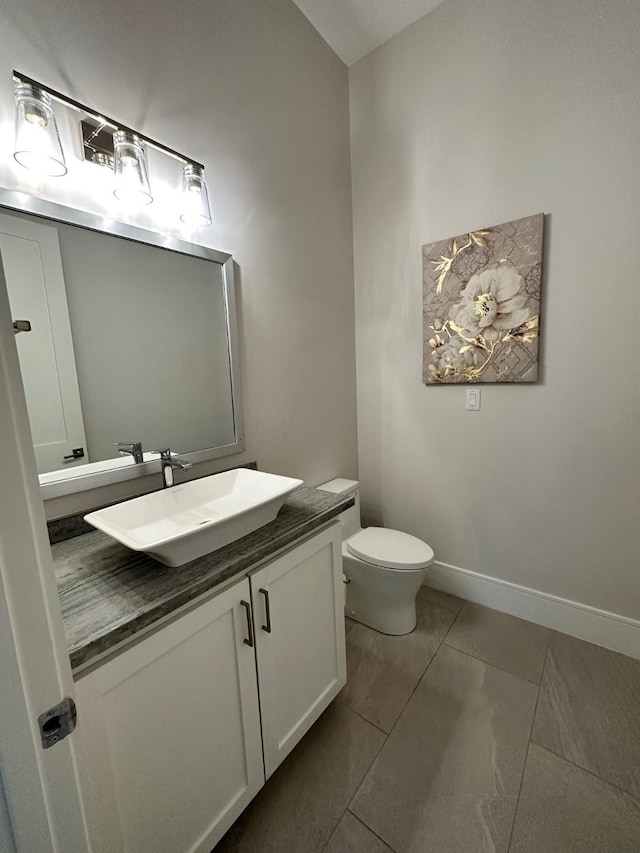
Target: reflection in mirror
(130, 342)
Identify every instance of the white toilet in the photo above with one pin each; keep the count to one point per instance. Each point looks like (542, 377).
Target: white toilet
(383, 568)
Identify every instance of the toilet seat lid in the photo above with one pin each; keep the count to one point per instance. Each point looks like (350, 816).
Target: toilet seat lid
(390, 548)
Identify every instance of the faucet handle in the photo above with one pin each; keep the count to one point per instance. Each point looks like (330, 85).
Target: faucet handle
(168, 462)
(165, 452)
(132, 447)
(166, 455)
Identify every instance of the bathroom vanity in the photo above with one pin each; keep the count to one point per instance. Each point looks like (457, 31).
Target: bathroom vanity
(194, 683)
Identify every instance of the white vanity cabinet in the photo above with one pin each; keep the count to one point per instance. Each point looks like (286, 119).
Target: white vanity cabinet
(171, 726)
(299, 618)
(171, 732)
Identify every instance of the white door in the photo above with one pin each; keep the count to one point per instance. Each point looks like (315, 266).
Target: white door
(171, 729)
(43, 788)
(300, 645)
(35, 282)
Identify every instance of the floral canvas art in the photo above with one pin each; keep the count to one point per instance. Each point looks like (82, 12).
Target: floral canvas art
(481, 303)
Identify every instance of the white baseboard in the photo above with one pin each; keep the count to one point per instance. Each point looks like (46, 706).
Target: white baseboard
(610, 630)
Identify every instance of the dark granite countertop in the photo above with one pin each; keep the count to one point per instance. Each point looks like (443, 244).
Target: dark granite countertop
(109, 593)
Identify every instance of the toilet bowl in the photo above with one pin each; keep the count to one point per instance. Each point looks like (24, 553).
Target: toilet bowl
(383, 568)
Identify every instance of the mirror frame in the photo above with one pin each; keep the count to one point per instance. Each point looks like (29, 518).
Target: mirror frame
(22, 203)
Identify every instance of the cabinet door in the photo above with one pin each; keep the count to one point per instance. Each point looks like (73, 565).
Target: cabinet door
(171, 729)
(301, 659)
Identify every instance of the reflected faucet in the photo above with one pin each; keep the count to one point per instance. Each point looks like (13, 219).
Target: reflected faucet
(132, 447)
(168, 463)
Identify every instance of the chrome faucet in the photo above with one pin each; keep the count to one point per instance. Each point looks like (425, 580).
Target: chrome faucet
(168, 463)
(132, 447)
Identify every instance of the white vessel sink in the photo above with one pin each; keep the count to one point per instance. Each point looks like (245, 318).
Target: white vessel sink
(183, 522)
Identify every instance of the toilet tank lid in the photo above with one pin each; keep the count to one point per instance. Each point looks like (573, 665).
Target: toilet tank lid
(339, 486)
(390, 548)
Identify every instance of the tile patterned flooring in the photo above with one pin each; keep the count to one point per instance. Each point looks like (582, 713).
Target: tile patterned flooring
(476, 732)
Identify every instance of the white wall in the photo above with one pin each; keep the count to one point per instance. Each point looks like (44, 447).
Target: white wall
(6, 834)
(250, 89)
(482, 112)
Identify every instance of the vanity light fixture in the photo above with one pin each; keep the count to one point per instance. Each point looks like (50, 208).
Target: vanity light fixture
(106, 143)
(195, 209)
(130, 169)
(37, 143)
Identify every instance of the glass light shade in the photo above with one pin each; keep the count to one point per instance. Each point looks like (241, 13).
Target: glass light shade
(194, 205)
(104, 160)
(130, 169)
(37, 144)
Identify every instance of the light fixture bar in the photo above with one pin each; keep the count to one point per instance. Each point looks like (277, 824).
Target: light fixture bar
(97, 142)
(71, 102)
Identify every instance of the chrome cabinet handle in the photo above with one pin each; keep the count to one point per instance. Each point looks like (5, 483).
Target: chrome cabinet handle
(267, 609)
(247, 606)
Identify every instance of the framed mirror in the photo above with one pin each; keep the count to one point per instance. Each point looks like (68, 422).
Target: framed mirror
(133, 339)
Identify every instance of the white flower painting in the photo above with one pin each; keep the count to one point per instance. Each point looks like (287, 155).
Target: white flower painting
(481, 301)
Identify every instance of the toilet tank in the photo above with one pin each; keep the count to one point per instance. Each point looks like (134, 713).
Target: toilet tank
(350, 518)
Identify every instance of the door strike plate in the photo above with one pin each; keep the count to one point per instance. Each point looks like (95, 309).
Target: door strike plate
(58, 722)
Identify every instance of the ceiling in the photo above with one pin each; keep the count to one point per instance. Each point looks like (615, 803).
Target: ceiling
(353, 28)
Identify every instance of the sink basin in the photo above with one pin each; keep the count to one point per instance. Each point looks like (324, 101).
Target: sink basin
(183, 522)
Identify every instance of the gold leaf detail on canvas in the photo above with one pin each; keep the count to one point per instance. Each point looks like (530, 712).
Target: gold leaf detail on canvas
(478, 237)
(465, 337)
(525, 333)
(444, 264)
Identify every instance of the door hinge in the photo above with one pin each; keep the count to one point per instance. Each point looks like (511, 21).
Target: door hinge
(58, 722)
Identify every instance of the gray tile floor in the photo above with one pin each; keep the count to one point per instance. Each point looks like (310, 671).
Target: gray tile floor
(476, 732)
